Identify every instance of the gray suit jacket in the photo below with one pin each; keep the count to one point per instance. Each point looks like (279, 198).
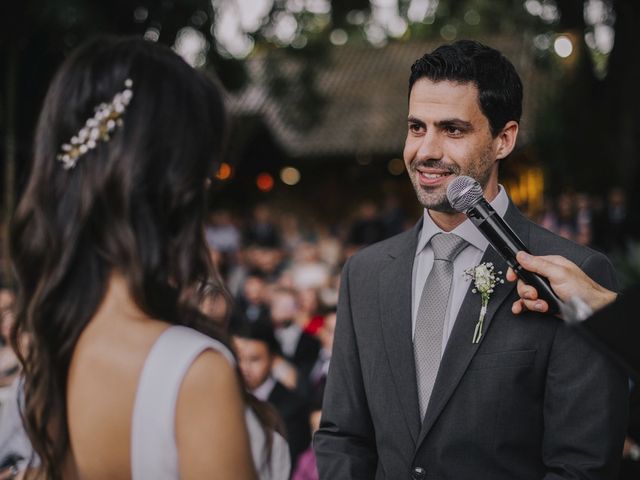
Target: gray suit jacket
(533, 400)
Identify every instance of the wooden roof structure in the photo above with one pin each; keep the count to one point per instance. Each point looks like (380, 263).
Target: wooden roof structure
(363, 90)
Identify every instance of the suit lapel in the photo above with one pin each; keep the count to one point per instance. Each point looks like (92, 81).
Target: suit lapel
(395, 304)
(459, 350)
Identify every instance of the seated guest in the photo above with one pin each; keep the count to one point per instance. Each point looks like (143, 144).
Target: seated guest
(298, 347)
(269, 449)
(256, 348)
(320, 369)
(250, 305)
(9, 365)
(15, 448)
(307, 467)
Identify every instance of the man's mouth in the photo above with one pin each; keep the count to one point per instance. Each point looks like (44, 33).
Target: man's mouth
(432, 176)
(435, 175)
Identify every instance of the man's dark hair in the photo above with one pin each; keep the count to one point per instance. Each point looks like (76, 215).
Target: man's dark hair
(467, 61)
(259, 331)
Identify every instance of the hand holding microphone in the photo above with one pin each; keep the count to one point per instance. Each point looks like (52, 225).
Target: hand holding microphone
(567, 280)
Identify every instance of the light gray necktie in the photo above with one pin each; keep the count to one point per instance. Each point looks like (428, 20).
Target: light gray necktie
(427, 339)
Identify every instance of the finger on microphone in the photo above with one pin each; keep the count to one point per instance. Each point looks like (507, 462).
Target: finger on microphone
(526, 291)
(517, 307)
(521, 305)
(511, 275)
(549, 266)
(531, 263)
(536, 305)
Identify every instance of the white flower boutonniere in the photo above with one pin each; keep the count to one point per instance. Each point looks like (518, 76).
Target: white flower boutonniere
(485, 279)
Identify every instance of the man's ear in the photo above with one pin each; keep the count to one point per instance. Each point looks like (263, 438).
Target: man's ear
(507, 139)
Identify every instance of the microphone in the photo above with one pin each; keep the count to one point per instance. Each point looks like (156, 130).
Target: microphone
(465, 196)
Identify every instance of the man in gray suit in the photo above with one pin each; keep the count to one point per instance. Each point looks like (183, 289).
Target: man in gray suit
(418, 387)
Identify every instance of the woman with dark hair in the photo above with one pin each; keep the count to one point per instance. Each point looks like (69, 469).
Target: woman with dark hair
(124, 376)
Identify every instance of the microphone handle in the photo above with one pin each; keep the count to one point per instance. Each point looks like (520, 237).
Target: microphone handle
(507, 243)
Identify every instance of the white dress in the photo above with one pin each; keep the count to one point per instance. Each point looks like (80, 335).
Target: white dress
(154, 455)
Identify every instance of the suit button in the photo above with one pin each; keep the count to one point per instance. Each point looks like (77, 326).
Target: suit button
(418, 473)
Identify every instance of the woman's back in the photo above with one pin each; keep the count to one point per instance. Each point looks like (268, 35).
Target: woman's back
(107, 240)
(116, 393)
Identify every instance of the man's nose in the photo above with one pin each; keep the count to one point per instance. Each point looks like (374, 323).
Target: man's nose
(430, 147)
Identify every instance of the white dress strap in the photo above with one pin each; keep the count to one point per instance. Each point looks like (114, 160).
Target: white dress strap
(154, 454)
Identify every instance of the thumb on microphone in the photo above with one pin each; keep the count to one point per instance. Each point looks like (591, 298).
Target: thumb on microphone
(566, 279)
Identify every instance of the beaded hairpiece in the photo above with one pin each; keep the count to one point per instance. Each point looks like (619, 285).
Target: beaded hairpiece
(108, 116)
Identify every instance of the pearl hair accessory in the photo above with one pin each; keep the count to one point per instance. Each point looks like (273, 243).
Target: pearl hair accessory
(108, 116)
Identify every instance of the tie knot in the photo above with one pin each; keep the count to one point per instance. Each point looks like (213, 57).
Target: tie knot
(447, 246)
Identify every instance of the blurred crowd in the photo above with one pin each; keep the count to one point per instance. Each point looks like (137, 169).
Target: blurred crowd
(282, 275)
(606, 224)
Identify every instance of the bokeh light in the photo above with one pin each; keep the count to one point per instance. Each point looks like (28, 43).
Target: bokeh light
(395, 166)
(264, 182)
(290, 176)
(224, 172)
(563, 46)
(338, 37)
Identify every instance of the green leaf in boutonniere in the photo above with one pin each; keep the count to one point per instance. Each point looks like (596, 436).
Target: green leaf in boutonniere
(485, 280)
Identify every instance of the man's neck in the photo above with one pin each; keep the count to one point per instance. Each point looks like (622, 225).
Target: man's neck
(447, 221)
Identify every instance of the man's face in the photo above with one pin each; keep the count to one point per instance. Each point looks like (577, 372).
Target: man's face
(283, 308)
(255, 361)
(448, 135)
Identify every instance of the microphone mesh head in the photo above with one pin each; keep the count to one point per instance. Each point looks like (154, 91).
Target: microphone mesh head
(463, 193)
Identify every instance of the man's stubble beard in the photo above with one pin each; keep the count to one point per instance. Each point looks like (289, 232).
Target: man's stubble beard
(436, 198)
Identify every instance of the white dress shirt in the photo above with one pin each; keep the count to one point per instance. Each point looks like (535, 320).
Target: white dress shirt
(469, 257)
(288, 338)
(263, 391)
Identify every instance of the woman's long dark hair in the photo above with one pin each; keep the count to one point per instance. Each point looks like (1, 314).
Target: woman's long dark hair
(135, 204)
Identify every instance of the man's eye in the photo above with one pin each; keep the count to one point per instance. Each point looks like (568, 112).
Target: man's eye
(455, 131)
(415, 128)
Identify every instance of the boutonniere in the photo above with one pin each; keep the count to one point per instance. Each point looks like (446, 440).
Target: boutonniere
(485, 279)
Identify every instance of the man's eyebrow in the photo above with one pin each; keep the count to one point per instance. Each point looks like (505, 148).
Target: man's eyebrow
(454, 122)
(447, 122)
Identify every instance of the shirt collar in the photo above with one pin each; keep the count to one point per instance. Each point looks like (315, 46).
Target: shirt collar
(264, 390)
(466, 230)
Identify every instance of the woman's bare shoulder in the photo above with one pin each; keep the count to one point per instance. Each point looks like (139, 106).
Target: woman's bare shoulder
(211, 433)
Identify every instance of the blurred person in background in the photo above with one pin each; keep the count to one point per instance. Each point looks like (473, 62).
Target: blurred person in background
(392, 216)
(262, 230)
(15, 447)
(221, 233)
(330, 250)
(566, 219)
(251, 303)
(269, 449)
(367, 227)
(257, 347)
(320, 370)
(310, 316)
(584, 219)
(616, 225)
(307, 466)
(109, 253)
(297, 347)
(223, 239)
(548, 218)
(306, 269)
(9, 363)
(291, 231)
